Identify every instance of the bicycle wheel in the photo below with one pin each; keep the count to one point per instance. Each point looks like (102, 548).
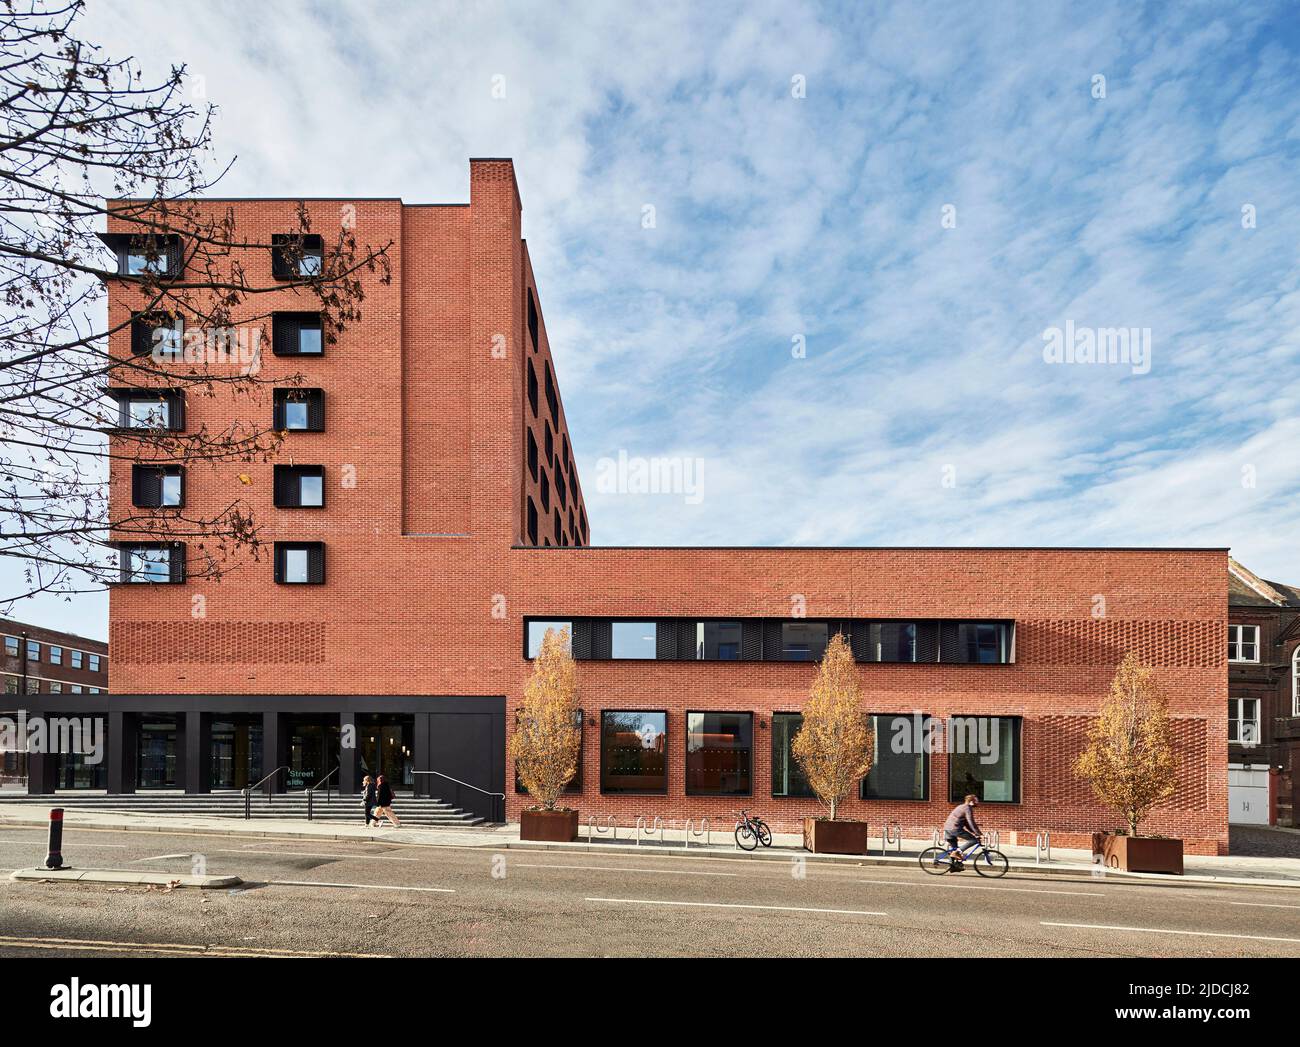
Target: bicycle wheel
(764, 834)
(745, 838)
(935, 861)
(991, 863)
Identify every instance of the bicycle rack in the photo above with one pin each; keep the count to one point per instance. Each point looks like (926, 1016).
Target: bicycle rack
(1042, 848)
(597, 823)
(896, 838)
(636, 829)
(703, 830)
(992, 839)
(658, 824)
(937, 839)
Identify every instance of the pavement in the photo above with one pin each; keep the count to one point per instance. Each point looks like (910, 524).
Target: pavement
(482, 893)
(1269, 864)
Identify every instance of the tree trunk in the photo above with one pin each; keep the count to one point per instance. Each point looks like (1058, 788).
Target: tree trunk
(834, 806)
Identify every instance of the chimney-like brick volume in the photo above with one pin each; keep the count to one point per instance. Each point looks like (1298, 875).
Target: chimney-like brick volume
(438, 551)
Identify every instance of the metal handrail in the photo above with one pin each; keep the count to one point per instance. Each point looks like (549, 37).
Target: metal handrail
(324, 781)
(467, 785)
(248, 791)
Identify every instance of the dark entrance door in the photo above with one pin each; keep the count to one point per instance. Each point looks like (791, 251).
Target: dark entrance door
(313, 749)
(387, 747)
(156, 753)
(236, 752)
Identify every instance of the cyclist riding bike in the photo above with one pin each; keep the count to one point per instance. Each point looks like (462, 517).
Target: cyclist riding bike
(960, 826)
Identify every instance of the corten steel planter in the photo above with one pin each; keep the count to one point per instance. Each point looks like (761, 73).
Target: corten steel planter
(548, 826)
(823, 836)
(1139, 853)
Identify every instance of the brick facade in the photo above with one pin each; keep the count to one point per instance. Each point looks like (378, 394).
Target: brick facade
(430, 570)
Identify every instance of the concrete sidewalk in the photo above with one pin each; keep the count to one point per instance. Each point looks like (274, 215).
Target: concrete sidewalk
(1260, 872)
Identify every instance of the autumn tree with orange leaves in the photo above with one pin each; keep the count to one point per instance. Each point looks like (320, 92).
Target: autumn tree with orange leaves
(1130, 759)
(546, 739)
(834, 745)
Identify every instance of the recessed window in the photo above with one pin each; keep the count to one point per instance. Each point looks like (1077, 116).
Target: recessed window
(787, 776)
(296, 255)
(532, 388)
(717, 641)
(296, 334)
(552, 401)
(561, 495)
(549, 444)
(803, 641)
(544, 489)
(145, 254)
(1243, 643)
(300, 563)
(94, 663)
(532, 522)
(532, 319)
(141, 409)
(158, 334)
(633, 752)
(76, 688)
(77, 659)
(56, 655)
(151, 563)
(900, 765)
(11, 646)
(633, 640)
(1243, 721)
(157, 486)
(300, 486)
(92, 690)
(985, 643)
(719, 754)
(56, 687)
(573, 482)
(33, 686)
(532, 455)
(892, 642)
(537, 632)
(983, 758)
(299, 410)
(33, 651)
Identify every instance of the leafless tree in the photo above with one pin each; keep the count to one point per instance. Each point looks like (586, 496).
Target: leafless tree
(88, 147)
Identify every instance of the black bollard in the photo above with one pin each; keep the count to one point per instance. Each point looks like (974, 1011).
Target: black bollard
(54, 859)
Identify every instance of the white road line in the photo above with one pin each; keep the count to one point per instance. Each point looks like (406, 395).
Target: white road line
(1266, 905)
(617, 868)
(1164, 930)
(733, 905)
(985, 887)
(318, 854)
(163, 857)
(358, 886)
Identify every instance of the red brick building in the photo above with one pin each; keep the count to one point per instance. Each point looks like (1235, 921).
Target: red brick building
(453, 525)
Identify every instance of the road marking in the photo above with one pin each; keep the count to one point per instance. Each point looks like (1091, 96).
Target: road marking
(172, 948)
(616, 868)
(985, 887)
(1266, 905)
(358, 886)
(1164, 930)
(734, 905)
(163, 857)
(318, 854)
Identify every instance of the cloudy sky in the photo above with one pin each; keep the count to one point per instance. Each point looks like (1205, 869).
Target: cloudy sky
(912, 196)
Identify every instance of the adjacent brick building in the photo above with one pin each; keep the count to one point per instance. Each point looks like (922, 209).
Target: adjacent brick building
(454, 529)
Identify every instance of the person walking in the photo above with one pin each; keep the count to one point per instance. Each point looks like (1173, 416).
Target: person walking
(384, 796)
(368, 799)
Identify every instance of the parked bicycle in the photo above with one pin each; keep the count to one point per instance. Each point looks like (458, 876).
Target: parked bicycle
(751, 831)
(987, 862)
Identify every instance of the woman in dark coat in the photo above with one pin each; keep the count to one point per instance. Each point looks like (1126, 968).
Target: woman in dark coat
(384, 796)
(368, 799)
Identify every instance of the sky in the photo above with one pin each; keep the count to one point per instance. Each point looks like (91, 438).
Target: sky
(812, 256)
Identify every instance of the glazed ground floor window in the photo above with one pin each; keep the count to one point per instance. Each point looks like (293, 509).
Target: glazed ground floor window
(787, 776)
(575, 783)
(900, 765)
(719, 754)
(984, 758)
(633, 751)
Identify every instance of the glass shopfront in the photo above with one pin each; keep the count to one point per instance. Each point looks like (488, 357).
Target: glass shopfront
(787, 776)
(633, 752)
(313, 749)
(236, 751)
(156, 753)
(900, 766)
(387, 747)
(719, 754)
(984, 758)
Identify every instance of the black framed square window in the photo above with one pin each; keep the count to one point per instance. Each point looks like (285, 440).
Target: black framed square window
(297, 334)
(983, 758)
(157, 334)
(299, 410)
(719, 754)
(532, 522)
(532, 319)
(157, 486)
(634, 640)
(532, 454)
(535, 630)
(297, 256)
(146, 254)
(300, 563)
(900, 764)
(804, 641)
(717, 641)
(151, 563)
(150, 409)
(633, 751)
(532, 388)
(300, 486)
(33, 651)
(787, 776)
(575, 783)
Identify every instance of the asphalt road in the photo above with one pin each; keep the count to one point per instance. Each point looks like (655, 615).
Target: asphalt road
(306, 897)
